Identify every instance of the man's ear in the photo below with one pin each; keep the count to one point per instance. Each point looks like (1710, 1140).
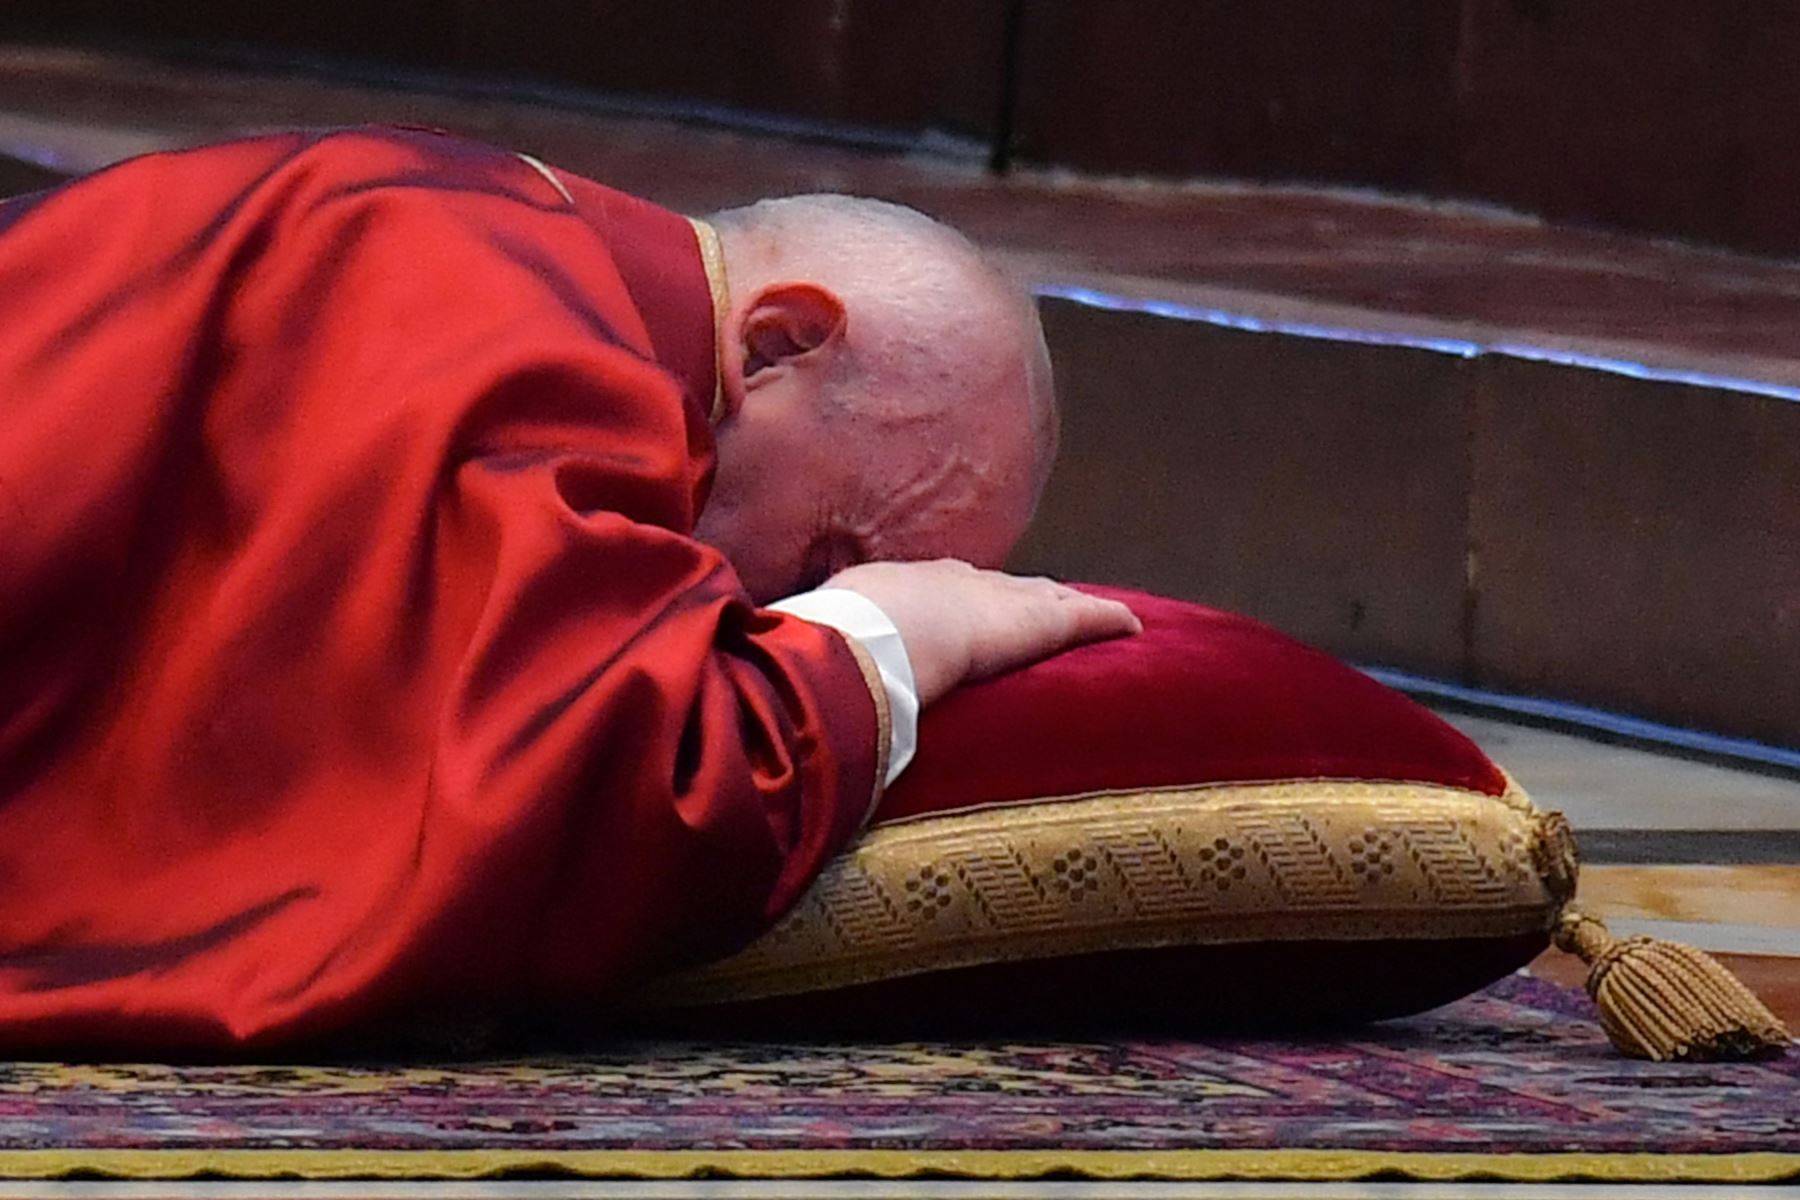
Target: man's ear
(786, 321)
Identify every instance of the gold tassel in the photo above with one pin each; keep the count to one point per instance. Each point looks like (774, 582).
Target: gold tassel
(1662, 1000)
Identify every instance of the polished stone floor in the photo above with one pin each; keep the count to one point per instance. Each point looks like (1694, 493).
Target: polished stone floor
(1605, 787)
(1711, 855)
(1673, 848)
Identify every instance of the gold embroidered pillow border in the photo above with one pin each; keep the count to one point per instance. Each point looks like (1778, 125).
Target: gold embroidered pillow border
(1284, 861)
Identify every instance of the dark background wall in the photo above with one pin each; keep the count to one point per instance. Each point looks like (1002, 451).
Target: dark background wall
(1669, 116)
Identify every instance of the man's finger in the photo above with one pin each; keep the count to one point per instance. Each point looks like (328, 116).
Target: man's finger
(1097, 618)
(1065, 618)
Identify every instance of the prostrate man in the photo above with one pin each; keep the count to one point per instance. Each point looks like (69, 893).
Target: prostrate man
(375, 633)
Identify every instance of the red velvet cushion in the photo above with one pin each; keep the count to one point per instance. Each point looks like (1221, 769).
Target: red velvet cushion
(1201, 696)
(1205, 824)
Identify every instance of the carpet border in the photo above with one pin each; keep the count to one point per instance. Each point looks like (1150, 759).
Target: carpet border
(1176, 1165)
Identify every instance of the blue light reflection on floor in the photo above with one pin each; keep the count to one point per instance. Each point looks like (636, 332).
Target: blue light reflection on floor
(1597, 719)
(1460, 347)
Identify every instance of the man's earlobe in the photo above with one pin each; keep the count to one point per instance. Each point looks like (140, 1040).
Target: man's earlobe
(787, 321)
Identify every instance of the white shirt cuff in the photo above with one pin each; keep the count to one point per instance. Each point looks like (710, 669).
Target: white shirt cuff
(855, 615)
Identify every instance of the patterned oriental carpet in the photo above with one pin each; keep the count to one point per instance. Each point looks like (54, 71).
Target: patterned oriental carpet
(1516, 1083)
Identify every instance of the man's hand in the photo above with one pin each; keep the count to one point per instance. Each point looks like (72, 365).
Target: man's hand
(961, 624)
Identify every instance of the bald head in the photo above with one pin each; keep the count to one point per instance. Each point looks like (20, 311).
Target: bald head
(888, 394)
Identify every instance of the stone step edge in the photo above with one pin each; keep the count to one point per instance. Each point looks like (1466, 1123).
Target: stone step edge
(75, 147)
(1308, 318)
(1595, 724)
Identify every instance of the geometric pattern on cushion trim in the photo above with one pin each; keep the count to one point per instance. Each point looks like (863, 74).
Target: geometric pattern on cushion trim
(1512, 1083)
(1296, 860)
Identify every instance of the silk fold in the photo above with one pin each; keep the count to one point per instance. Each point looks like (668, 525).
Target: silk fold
(358, 655)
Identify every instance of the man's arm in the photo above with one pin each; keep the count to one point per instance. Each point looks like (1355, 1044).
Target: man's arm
(863, 622)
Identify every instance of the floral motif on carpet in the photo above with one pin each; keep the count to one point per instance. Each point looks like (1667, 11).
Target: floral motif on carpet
(1515, 1074)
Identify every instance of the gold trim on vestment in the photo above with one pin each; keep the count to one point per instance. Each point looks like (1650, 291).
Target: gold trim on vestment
(712, 257)
(543, 169)
(1293, 860)
(1267, 1164)
(884, 721)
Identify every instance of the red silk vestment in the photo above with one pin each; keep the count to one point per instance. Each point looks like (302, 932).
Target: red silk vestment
(355, 653)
